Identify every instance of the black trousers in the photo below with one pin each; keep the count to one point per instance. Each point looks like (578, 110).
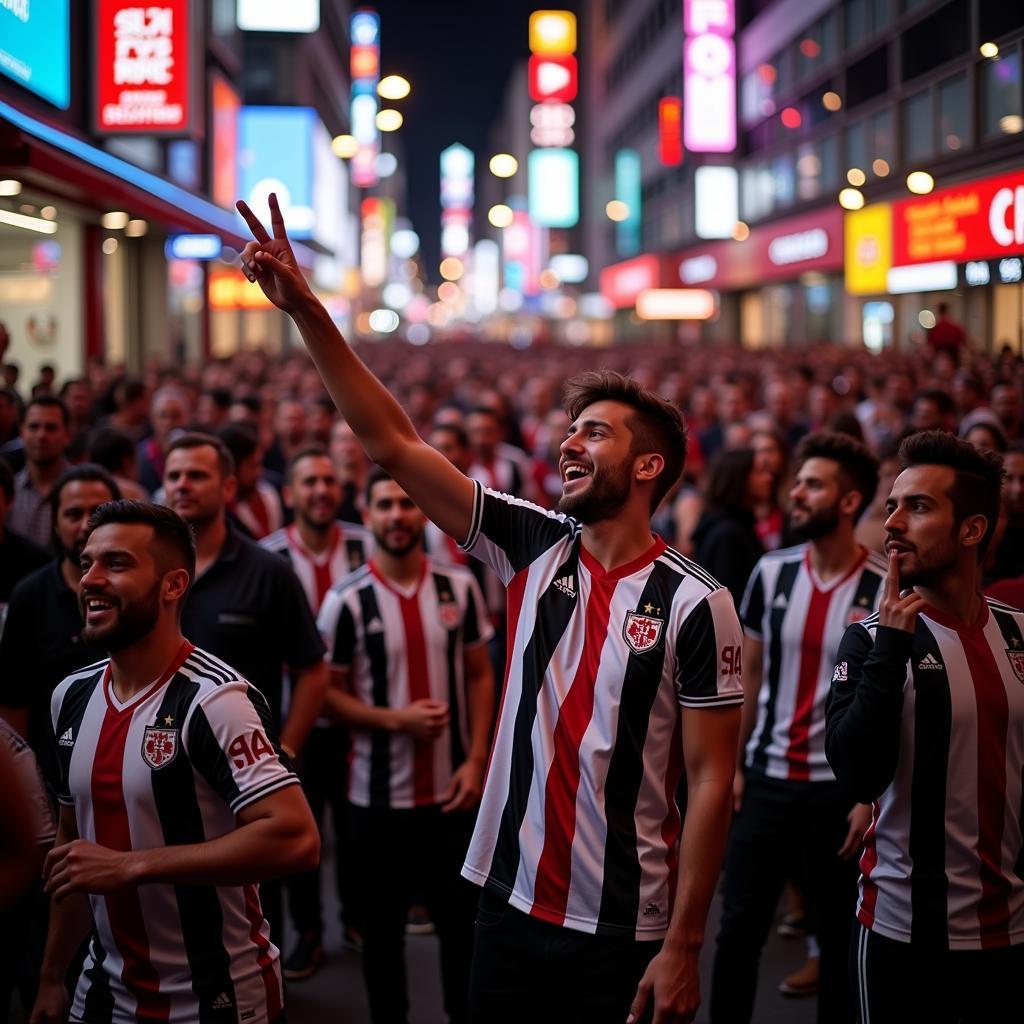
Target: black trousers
(396, 853)
(782, 824)
(22, 940)
(896, 982)
(324, 774)
(526, 971)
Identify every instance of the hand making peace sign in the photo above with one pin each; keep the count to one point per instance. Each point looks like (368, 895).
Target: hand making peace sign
(271, 262)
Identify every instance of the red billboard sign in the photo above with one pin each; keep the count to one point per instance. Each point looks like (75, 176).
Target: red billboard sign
(621, 283)
(670, 131)
(143, 66)
(975, 221)
(553, 78)
(781, 251)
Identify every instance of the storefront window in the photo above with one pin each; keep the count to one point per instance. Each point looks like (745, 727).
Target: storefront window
(954, 124)
(917, 128)
(782, 180)
(1001, 82)
(857, 145)
(883, 142)
(856, 22)
(829, 149)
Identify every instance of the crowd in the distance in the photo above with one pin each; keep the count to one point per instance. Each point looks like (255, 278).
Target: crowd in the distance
(280, 457)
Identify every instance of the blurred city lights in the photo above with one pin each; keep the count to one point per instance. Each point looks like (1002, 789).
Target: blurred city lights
(10, 187)
(448, 292)
(389, 120)
(503, 165)
(136, 228)
(832, 101)
(741, 231)
(767, 74)
(548, 279)
(616, 210)
(397, 294)
(19, 220)
(344, 146)
(385, 165)
(809, 48)
(851, 199)
(48, 213)
(570, 267)
(383, 321)
(418, 334)
(109, 246)
(393, 87)
(452, 268)
(880, 167)
(989, 50)
(115, 220)
(675, 304)
(1012, 124)
(920, 182)
(510, 300)
(500, 216)
(855, 176)
(926, 318)
(791, 118)
(552, 32)
(405, 243)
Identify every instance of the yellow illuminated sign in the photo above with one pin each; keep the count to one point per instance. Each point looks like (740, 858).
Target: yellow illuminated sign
(868, 249)
(552, 32)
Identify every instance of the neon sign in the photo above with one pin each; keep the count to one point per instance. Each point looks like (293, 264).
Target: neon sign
(709, 70)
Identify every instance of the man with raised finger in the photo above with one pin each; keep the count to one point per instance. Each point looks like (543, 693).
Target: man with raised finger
(623, 671)
(926, 721)
(408, 641)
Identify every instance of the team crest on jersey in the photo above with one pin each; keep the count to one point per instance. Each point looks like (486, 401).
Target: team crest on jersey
(449, 614)
(1016, 662)
(642, 632)
(159, 746)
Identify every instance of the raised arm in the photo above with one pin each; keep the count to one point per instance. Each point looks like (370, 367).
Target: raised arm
(380, 423)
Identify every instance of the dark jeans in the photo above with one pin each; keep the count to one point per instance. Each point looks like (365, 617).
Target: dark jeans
(897, 982)
(324, 774)
(526, 971)
(780, 825)
(22, 938)
(396, 853)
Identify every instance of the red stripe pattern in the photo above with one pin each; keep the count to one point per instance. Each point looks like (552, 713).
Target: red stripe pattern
(263, 957)
(807, 684)
(419, 689)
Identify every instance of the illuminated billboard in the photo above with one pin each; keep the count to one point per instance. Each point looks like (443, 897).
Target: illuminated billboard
(553, 187)
(35, 48)
(709, 73)
(275, 16)
(224, 107)
(716, 201)
(144, 67)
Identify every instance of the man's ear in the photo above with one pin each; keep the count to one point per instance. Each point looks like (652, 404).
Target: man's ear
(175, 584)
(973, 530)
(229, 489)
(648, 466)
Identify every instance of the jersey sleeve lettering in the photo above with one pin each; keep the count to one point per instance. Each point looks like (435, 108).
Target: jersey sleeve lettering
(230, 743)
(508, 533)
(752, 605)
(709, 649)
(864, 708)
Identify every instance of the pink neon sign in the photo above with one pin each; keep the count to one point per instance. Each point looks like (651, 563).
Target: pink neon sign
(709, 69)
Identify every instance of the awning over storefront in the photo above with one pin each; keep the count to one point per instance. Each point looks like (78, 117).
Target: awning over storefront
(66, 166)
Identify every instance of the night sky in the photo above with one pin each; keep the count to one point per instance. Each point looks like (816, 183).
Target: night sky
(458, 55)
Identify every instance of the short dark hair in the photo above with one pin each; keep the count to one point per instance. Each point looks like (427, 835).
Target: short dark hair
(978, 475)
(999, 442)
(858, 468)
(727, 478)
(657, 425)
(459, 433)
(241, 440)
(48, 401)
(378, 474)
(70, 383)
(6, 480)
(307, 452)
(221, 397)
(170, 532)
(942, 399)
(109, 447)
(197, 439)
(88, 472)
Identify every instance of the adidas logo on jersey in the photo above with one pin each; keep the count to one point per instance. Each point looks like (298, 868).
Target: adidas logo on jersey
(929, 662)
(375, 626)
(67, 739)
(567, 585)
(222, 1002)
(652, 910)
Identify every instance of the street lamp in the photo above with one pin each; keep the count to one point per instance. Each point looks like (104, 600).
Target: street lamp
(393, 87)
(503, 165)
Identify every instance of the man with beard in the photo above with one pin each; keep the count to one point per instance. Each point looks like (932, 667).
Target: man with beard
(41, 641)
(321, 551)
(792, 819)
(246, 605)
(624, 667)
(408, 642)
(175, 802)
(925, 720)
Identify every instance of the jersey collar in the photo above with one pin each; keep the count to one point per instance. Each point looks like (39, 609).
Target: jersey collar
(620, 572)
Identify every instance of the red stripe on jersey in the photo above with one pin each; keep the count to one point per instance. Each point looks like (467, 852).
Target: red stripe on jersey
(671, 828)
(551, 892)
(515, 591)
(113, 830)
(807, 684)
(868, 863)
(263, 957)
(993, 726)
(321, 564)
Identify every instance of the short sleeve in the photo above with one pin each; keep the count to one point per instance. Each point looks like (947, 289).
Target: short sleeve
(476, 626)
(337, 626)
(508, 533)
(709, 648)
(752, 605)
(231, 743)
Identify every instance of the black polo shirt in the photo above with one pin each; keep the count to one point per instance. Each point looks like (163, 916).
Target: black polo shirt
(41, 645)
(249, 609)
(18, 557)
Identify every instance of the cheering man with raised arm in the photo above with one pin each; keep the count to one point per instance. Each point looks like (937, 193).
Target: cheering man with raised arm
(624, 668)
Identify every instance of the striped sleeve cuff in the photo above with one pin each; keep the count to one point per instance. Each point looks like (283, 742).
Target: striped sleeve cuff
(476, 522)
(252, 795)
(719, 700)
